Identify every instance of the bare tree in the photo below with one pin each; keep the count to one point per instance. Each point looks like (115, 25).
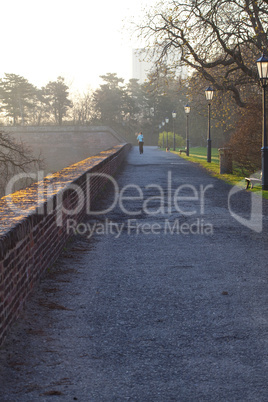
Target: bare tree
(82, 108)
(224, 34)
(15, 157)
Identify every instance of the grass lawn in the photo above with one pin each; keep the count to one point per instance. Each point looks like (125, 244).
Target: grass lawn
(199, 155)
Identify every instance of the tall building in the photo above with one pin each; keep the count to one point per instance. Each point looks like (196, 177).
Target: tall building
(140, 67)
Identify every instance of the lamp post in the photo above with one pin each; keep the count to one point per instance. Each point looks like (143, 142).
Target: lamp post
(209, 95)
(167, 120)
(262, 64)
(159, 127)
(174, 114)
(163, 123)
(187, 110)
(152, 120)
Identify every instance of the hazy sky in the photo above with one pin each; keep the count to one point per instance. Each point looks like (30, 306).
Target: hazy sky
(78, 39)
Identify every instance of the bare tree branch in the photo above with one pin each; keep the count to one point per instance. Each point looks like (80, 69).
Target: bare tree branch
(15, 157)
(206, 36)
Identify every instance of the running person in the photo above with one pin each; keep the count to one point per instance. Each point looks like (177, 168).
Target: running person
(140, 140)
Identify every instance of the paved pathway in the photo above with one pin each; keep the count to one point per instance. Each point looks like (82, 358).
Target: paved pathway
(166, 301)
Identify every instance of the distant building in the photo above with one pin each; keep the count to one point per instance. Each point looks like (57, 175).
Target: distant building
(182, 71)
(140, 67)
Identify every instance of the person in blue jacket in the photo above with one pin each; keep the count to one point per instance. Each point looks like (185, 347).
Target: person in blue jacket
(140, 141)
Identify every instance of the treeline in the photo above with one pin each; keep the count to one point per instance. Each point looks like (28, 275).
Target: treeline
(127, 107)
(131, 107)
(24, 104)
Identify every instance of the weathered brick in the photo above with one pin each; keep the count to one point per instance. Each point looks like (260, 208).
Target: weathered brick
(31, 243)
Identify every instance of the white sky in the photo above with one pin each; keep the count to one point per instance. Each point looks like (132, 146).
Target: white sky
(79, 39)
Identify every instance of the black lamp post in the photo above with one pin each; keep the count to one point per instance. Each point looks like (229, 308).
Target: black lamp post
(152, 120)
(209, 95)
(163, 123)
(262, 64)
(187, 110)
(159, 127)
(174, 114)
(167, 120)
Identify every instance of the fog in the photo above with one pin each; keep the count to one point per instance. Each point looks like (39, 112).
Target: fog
(63, 146)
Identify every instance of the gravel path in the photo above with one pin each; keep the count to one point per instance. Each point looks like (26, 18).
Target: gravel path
(152, 307)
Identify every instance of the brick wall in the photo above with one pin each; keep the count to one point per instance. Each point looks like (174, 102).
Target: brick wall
(34, 225)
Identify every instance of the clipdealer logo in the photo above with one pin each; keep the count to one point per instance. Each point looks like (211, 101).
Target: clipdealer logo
(135, 227)
(132, 200)
(255, 220)
(186, 200)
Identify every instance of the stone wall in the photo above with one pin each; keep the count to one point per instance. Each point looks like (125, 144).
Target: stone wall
(34, 225)
(61, 146)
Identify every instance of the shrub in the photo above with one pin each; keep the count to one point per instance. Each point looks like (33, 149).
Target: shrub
(179, 140)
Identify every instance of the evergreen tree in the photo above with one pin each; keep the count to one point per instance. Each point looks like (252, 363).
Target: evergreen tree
(17, 97)
(56, 94)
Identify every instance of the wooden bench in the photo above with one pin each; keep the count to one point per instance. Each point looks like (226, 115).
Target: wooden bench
(251, 181)
(182, 150)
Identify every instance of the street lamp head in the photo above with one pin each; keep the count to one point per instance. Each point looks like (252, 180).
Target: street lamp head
(209, 93)
(174, 114)
(187, 108)
(167, 120)
(262, 64)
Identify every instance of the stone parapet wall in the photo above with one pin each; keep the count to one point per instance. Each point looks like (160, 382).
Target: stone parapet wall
(59, 129)
(34, 225)
(61, 146)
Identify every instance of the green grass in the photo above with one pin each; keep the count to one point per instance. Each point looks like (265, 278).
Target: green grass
(201, 153)
(199, 156)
